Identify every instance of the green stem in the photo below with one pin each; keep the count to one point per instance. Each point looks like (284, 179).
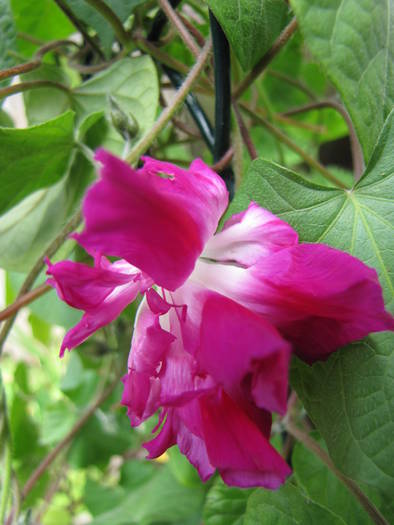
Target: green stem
(314, 447)
(292, 145)
(169, 112)
(121, 34)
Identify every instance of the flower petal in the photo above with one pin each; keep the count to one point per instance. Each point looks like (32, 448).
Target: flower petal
(236, 344)
(149, 346)
(236, 447)
(158, 223)
(102, 291)
(249, 235)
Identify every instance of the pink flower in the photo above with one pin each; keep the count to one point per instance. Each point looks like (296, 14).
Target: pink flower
(221, 312)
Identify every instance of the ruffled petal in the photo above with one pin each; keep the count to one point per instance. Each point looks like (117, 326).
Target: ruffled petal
(236, 447)
(158, 217)
(103, 292)
(149, 346)
(249, 235)
(238, 345)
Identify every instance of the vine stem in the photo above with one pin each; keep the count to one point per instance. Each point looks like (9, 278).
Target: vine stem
(121, 34)
(37, 60)
(168, 113)
(180, 27)
(35, 271)
(314, 447)
(292, 145)
(244, 132)
(26, 299)
(266, 59)
(357, 154)
(78, 25)
(34, 84)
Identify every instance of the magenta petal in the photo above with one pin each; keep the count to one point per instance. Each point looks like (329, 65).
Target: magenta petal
(236, 344)
(236, 447)
(249, 235)
(82, 286)
(158, 217)
(102, 291)
(149, 346)
(320, 298)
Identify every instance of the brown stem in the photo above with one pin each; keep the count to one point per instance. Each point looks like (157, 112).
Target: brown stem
(81, 28)
(180, 27)
(112, 18)
(357, 154)
(36, 62)
(28, 298)
(36, 270)
(185, 129)
(293, 81)
(49, 459)
(224, 161)
(292, 145)
(160, 55)
(199, 37)
(244, 132)
(266, 59)
(34, 84)
(314, 447)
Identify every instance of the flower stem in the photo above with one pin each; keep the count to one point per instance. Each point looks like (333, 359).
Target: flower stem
(266, 59)
(169, 112)
(314, 447)
(6, 481)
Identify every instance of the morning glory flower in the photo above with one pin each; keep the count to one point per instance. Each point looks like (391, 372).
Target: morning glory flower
(221, 313)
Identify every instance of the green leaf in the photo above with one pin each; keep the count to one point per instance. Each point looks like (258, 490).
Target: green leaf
(358, 221)
(27, 229)
(7, 35)
(41, 19)
(225, 505)
(358, 58)
(134, 85)
(350, 397)
(160, 500)
(323, 487)
(46, 103)
(99, 499)
(92, 18)
(286, 506)
(57, 421)
(250, 25)
(33, 158)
